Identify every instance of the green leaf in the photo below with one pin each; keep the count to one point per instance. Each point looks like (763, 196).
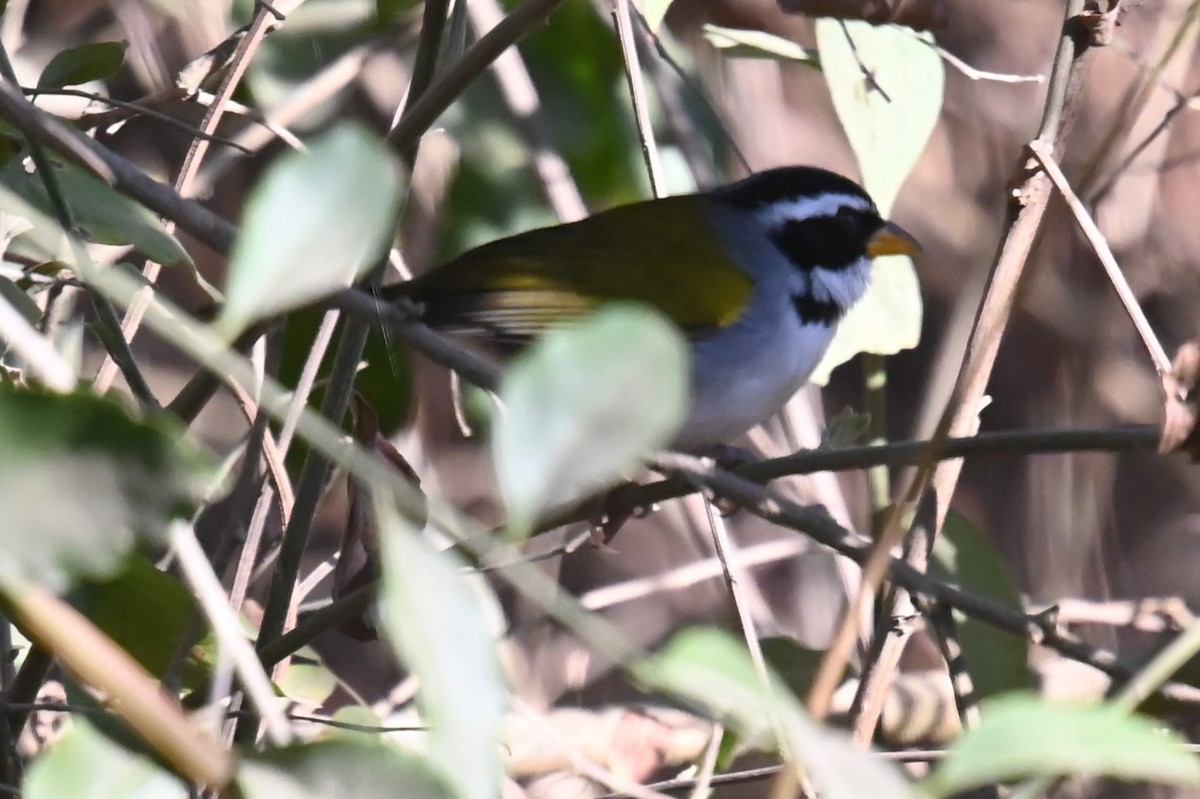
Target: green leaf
(742, 43)
(436, 618)
(105, 216)
(350, 766)
(87, 62)
(584, 405)
(84, 764)
(888, 125)
(998, 662)
(79, 478)
(315, 223)
(1023, 736)
(144, 610)
(710, 669)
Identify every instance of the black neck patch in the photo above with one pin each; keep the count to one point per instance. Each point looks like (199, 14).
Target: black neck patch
(814, 311)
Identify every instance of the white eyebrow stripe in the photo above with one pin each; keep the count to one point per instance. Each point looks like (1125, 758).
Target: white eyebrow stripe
(782, 211)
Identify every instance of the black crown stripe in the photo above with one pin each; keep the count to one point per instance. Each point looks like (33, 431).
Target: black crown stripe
(787, 183)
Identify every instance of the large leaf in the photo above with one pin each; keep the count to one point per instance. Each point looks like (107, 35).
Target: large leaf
(886, 84)
(1022, 736)
(436, 617)
(80, 478)
(345, 767)
(998, 661)
(144, 610)
(584, 405)
(709, 669)
(315, 223)
(84, 764)
(105, 216)
(87, 62)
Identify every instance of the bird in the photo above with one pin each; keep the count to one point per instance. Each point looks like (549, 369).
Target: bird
(757, 274)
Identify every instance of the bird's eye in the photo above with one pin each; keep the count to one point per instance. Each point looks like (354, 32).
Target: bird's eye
(848, 218)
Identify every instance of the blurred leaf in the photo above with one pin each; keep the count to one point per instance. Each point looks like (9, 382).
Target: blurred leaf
(84, 764)
(21, 303)
(584, 405)
(998, 662)
(654, 12)
(79, 476)
(344, 767)
(389, 11)
(144, 610)
(87, 62)
(315, 223)
(307, 679)
(845, 429)
(104, 215)
(741, 43)
(435, 617)
(1022, 735)
(710, 669)
(886, 85)
(796, 665)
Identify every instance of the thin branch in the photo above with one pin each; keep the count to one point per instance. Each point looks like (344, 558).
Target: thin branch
(960, 417)
(1045, 156)
(815, 523)
(623, 19)
(228, 630)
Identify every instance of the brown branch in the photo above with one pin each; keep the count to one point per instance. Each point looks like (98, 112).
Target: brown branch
(1027, 208)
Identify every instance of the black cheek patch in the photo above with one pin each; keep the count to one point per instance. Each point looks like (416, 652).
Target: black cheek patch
(818, 242)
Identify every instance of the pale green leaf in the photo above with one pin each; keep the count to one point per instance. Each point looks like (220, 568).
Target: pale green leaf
(84, 764)
(709, 669)
(1023, 736)
(584, 406)
(103, 215)
(743, 43)
(654, 12)
(352, 766)
(80, 478)
(886, 85)
(436, 617)
(315, 223)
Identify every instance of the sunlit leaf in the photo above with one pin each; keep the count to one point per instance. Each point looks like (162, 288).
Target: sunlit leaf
(584, 406)
(87, 62)
(84, 764)
(886, 84)
(80, 478)
(1022, 735)
(316, 222)
(344, 767)
(743, 43)
(436, 617)
(103, 215)
(709, 669)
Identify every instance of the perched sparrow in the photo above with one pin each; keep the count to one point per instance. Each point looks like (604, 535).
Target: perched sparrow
(757, 274)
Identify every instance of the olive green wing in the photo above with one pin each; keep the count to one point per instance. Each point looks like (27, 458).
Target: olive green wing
(516, 287)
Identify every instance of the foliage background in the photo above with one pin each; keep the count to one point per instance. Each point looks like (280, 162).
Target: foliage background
(1090, 526)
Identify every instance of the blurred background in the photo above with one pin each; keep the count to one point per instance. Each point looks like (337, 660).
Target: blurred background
(550, 131)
